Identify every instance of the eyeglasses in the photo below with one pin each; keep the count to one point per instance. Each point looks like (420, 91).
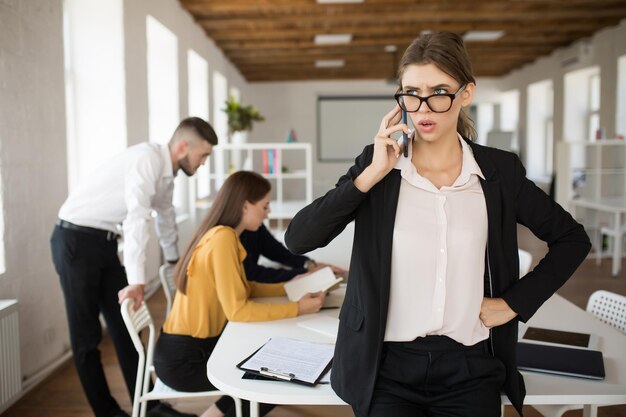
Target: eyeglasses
(438, 103)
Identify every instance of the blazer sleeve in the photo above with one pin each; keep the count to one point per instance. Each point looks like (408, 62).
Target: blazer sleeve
(321, 221)
(274, 250)
(262, 242)
(568, 245)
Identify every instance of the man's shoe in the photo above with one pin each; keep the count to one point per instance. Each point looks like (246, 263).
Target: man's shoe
(164, 410)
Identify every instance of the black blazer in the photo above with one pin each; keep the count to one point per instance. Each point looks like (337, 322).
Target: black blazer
(510, 199)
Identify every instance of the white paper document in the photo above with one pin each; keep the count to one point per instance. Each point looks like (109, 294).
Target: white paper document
(321, 280)
(290, 359)
(328, 326)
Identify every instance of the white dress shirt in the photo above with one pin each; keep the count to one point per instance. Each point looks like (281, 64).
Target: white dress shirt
(125, 190)
(438, 256)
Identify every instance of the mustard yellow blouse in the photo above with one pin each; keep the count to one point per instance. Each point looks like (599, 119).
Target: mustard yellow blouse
(217, 290)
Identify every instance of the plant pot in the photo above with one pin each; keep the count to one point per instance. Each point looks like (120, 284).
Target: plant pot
(238, 138)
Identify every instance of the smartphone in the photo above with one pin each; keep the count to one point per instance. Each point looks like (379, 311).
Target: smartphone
(532, 334)
(405, 137)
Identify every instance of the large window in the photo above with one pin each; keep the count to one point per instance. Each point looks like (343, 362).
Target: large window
(94, 84)
(620, 122)
(2, 258)
(163, 101)
(581, 104)
(509, 114)
(581, 109)
(220, 123)
(198, 86)
(539, 130)
(593, 119)
(484, 122)
(220, 95)
(236, 93)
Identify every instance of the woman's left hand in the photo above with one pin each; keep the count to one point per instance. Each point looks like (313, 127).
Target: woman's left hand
(495, 312)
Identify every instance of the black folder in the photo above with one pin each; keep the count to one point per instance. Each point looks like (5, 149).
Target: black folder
(581, 363)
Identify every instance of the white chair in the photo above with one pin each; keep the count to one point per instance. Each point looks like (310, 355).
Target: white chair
(525, 260)
(166, 275)
(135, 322)
(609, 308)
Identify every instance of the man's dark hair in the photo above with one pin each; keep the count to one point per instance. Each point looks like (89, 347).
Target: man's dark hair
(199, 126)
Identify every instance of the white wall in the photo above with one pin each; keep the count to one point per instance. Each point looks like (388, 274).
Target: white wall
(33, 148)
(34, 171)
(293, 105)
(603, 50)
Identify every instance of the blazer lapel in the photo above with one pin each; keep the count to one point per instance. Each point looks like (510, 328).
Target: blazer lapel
(492, 191)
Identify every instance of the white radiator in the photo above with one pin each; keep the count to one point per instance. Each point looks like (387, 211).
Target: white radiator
(10, 369)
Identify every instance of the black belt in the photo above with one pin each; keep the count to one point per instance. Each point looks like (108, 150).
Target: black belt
(106, 234)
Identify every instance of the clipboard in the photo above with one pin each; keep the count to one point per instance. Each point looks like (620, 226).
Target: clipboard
(289, 375)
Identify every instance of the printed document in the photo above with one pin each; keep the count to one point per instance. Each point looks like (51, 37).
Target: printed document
(321, 280)
(293, 359)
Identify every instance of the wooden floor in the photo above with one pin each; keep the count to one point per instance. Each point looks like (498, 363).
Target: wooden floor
(61, 395)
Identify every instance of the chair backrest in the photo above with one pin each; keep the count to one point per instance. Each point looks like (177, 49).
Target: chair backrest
(166, 275)
(136, 321)
(525, 259)
(609, 308)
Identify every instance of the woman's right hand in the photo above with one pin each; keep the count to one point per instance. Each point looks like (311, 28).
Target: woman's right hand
(386, 150)
(311, 303)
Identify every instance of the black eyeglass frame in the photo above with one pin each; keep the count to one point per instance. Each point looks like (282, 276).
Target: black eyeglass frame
(423, 100)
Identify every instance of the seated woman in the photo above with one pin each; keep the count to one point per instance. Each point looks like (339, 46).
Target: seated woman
(212, 289)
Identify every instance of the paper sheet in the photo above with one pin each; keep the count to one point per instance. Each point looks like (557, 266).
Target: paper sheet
(328, 326)
(321, 280)
(305, 361)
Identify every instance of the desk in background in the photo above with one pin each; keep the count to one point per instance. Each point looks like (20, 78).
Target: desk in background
(613, 206)
(240, 339)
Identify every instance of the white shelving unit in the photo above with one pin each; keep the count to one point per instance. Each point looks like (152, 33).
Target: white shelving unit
(605, 169)
(600, 196)
(297, 179)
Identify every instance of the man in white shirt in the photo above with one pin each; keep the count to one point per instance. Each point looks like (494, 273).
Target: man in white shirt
(124, 190)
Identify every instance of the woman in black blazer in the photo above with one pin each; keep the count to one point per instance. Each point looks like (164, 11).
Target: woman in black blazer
(436, 375)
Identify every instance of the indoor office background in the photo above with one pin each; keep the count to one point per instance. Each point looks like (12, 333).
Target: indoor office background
(80, 80)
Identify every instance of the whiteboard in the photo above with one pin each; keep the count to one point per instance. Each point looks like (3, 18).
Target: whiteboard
(346, 124)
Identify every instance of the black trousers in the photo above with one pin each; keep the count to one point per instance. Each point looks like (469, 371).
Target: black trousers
(180, 362)
(435, 376)
(91, 275)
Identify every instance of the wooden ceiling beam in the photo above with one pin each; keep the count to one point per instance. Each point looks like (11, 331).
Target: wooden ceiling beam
(226, 9)
(378, 44)
(533, 16)
(568, 28)
(374, 51)
(344, 74)
(272, 39)
(367, 58)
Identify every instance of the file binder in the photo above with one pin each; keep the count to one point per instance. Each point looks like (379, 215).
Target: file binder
(290, 360)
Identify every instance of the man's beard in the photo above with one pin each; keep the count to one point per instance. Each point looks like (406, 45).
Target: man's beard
(186, 167)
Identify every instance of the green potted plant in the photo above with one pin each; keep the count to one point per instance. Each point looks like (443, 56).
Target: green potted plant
(240, 118)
